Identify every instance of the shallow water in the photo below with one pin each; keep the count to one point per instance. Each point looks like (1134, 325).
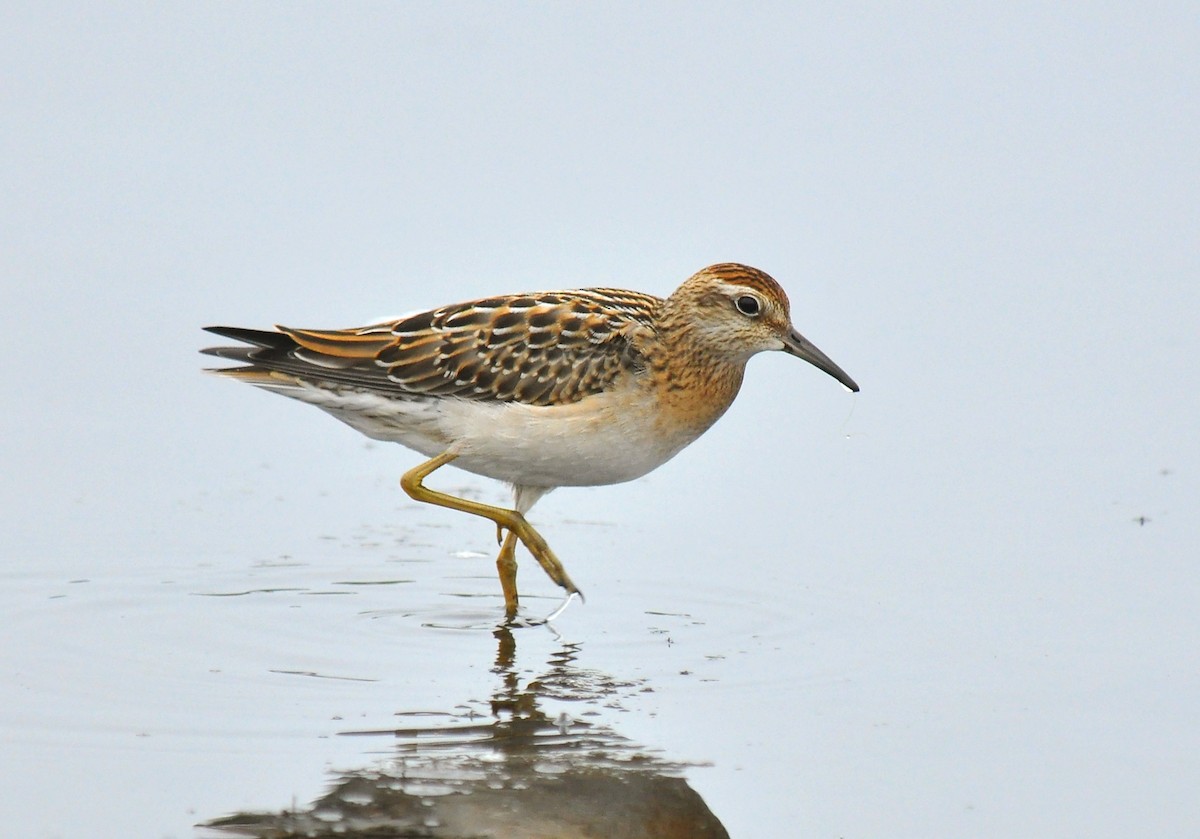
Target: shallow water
(167, 695)
(167, 691)
(307, 663)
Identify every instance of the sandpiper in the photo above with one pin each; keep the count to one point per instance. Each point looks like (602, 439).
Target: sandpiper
(541, 390)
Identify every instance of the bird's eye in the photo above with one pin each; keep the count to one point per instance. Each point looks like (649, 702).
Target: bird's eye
(749, 306)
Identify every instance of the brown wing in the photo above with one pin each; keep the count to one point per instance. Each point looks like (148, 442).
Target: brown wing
(548, 348)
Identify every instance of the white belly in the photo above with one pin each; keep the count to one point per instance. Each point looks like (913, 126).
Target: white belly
(604, 439)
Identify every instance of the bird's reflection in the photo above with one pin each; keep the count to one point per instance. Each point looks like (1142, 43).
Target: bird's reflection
(512, 771)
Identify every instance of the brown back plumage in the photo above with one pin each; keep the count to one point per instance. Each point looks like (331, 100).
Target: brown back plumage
(544, 348)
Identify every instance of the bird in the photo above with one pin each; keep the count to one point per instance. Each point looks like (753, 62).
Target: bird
(540, 390)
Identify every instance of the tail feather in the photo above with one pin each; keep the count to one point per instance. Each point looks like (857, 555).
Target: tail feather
(269, 379)
(274, 359)
(241, 354)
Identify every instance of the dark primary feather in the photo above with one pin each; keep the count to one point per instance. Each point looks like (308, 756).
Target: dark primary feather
(549, 348)
(276, 352)
(258, 337)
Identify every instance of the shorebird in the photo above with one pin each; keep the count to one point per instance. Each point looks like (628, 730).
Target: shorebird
(541, 390)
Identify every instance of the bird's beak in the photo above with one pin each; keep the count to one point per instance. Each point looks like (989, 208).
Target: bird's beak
(796, 344)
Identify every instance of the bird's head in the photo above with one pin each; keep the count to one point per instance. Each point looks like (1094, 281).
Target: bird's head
(736, 311)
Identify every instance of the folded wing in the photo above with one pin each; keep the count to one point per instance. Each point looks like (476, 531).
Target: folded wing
(547, 348)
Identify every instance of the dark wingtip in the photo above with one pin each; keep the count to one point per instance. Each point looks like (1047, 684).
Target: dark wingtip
(266, 338)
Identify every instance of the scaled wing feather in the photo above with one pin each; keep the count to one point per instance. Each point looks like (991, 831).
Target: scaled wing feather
(538, 349)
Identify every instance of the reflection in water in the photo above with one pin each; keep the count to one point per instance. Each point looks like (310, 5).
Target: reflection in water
(520, 775)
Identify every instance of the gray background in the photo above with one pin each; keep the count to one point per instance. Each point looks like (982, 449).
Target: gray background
(929, 609)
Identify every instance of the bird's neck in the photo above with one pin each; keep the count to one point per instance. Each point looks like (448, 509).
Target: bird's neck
(695, 384)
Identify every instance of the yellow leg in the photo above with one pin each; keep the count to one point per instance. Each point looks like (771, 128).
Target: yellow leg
(509, 520)
(506, 566)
